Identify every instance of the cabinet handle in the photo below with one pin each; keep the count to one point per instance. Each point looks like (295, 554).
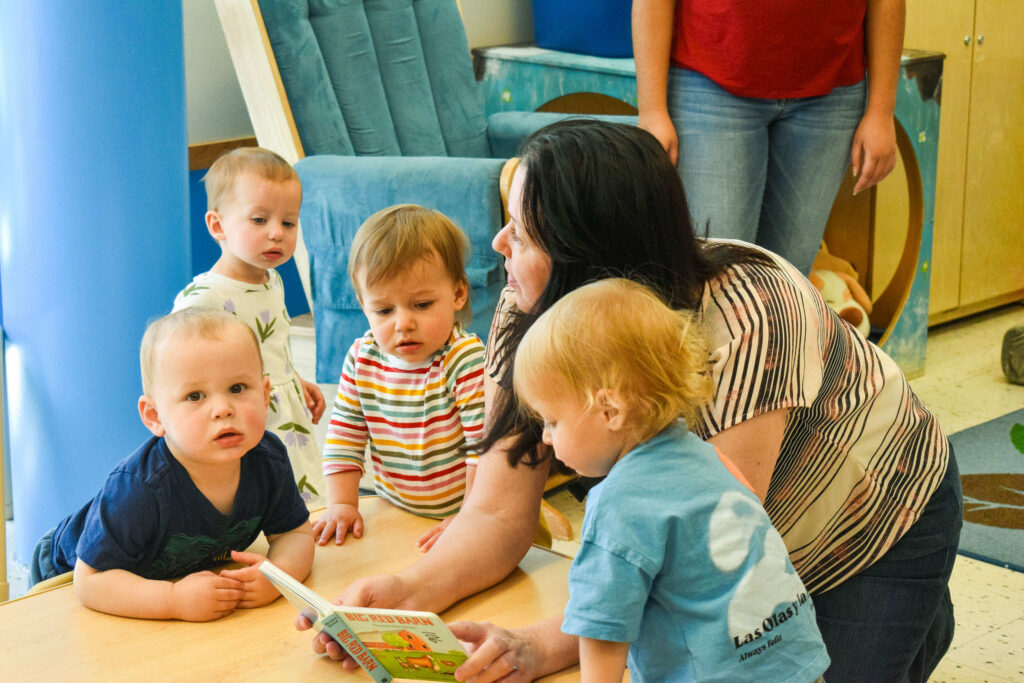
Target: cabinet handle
(981, 38)
(967, 40)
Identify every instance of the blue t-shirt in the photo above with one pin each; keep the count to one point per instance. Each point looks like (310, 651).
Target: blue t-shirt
(150, 519)
(679, 559)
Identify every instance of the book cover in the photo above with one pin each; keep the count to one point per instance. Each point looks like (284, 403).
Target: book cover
(386, 643)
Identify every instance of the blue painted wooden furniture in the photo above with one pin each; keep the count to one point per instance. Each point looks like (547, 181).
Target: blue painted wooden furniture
(376, 104)
(527, 77)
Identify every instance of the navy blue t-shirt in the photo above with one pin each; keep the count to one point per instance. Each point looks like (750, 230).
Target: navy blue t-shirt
(150, 519)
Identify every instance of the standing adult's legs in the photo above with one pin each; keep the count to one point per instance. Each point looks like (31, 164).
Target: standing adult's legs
(809, 152)
(723, 153)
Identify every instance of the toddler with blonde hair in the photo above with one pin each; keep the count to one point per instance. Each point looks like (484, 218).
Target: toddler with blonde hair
(412, 386)
(194, 496)
(253, 196)
(680, 571)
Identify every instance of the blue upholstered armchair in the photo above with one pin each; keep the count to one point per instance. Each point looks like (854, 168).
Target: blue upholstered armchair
(377, 103)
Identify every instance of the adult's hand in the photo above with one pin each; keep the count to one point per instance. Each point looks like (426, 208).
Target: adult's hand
(496, 654)
(652, 22)
(873, 154)
(384, 590)
(660, 125)
(323, 644)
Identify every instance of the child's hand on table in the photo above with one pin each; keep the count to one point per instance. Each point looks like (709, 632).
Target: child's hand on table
(257, 590)
(427, 540)
(336, 521)
(205, 596)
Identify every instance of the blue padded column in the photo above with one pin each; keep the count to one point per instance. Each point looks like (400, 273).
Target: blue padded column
(93, 234)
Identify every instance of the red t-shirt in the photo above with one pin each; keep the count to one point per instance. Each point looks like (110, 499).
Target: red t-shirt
(773, 49)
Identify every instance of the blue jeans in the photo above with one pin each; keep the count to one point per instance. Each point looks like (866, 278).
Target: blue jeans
(42, 560)
(894, 620)
(763, 171)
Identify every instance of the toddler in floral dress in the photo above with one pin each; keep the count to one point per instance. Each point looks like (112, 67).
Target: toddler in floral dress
(253, 197)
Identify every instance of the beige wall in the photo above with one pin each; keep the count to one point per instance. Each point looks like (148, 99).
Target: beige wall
(497, 22)
(215, 107)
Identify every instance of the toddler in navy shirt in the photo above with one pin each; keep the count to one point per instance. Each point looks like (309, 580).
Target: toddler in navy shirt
(196, 494)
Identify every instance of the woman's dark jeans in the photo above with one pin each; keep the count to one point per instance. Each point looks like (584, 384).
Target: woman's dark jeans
(894, 620)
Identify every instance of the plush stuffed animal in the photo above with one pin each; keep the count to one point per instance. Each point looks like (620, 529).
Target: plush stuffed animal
(845, 296)
(836, 280)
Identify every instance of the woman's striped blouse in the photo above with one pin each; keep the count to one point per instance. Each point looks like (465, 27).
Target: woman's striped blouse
(860, 456)
(422, 422)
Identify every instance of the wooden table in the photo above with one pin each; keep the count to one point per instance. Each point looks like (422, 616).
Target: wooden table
(51, 636)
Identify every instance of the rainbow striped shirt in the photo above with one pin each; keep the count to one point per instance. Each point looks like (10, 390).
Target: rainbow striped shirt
(422, 422)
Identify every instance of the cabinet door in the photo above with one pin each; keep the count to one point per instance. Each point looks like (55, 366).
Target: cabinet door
(993, 261)
(941, 26)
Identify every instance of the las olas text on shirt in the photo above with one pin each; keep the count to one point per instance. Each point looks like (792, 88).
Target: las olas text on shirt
(772, 621)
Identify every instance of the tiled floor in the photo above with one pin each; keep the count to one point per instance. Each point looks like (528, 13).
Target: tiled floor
(964, 386)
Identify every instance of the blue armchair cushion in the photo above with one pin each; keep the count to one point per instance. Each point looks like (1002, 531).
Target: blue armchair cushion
(339, 193)
(377, 77)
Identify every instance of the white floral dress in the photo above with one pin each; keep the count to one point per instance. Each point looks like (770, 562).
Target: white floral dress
(262, 308)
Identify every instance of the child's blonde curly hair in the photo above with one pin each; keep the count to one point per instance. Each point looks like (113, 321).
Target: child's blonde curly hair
(619, 335)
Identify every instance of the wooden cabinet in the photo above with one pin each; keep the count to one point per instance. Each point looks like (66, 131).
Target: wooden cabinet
(977, 255)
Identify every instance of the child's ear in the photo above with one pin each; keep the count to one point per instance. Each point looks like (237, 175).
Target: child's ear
(213, 225)
(461, 294)
(266, 391)
(150, 417)
(612, 409)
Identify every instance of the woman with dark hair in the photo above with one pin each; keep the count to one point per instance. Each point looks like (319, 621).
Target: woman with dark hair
(854, 472)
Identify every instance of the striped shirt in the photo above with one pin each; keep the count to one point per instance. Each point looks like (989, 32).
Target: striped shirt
(422, 422)
(860, 455)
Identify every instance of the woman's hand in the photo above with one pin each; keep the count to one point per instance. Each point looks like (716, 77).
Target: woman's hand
(384, 590)
(660, 125)
(324, 644)
(873, 154)
(496, 654)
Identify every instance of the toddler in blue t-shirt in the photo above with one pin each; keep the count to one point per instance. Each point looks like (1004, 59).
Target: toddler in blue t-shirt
(194, 496)
(680, 572)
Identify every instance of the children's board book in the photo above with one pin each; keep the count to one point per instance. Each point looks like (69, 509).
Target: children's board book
(387, 643)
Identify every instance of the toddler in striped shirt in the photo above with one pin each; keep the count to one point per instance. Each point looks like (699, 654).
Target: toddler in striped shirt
(412, 386)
